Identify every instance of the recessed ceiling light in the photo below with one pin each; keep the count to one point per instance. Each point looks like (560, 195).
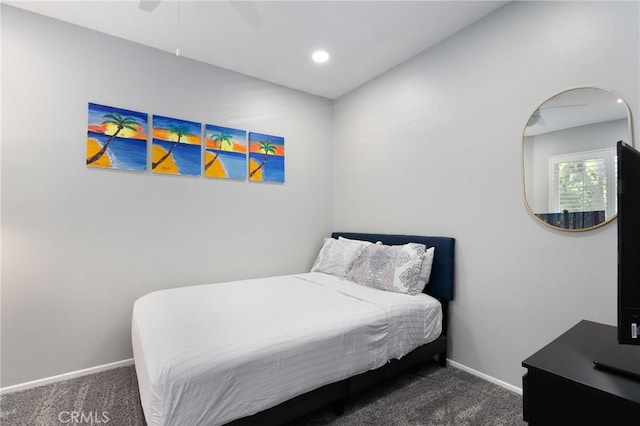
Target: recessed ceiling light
(320, 56)
(619, 100)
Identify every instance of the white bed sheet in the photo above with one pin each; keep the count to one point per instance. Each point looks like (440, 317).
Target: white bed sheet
(207, 355)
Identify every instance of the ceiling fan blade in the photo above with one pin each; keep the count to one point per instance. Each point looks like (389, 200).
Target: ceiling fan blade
(148, 5)
(249, 12)
(536, 118)
(564, 106)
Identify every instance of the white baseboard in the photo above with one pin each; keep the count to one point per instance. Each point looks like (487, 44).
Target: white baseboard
(485, 377)
(127, 362)
(65, 376)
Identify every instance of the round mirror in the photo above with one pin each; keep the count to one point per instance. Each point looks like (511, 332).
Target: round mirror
(569, 158)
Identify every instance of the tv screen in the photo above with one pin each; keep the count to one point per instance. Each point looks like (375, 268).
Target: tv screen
(628, 244)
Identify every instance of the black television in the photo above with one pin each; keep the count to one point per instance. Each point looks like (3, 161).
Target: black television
(628, 244)
(623, 356)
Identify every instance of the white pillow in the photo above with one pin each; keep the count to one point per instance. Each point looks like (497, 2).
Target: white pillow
(361, 242)
(391, 268)
(425, 269)
(336, 256)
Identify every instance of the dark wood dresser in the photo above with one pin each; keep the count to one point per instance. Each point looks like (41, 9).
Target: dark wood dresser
(563, 387)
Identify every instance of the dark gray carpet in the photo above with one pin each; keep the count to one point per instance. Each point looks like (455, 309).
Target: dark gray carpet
(429, 395)
(110, 395)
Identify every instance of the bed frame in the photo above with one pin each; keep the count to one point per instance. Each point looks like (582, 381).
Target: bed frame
(440, 286)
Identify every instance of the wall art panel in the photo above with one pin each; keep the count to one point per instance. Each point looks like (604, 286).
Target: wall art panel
(177, 146)
(116, 138)
(225, 154)
(266, 158)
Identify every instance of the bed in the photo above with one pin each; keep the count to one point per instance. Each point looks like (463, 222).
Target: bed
(265, 351)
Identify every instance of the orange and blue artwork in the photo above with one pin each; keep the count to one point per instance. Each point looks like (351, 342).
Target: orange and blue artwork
(176, 148)
(266, 158)
(116, 138)
(225, 152)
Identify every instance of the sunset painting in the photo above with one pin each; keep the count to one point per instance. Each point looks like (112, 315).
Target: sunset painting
(266, 158)
(225, 154)
(176, 146)
(116, 138)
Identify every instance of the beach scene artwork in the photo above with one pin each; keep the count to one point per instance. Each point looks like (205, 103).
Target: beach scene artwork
(266, 158)
(176, 148)
(116, 138)
(225, 154)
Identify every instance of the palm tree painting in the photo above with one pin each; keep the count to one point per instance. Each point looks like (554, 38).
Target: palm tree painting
(225, 154)
(266, 158)
(116, 138)
(176, 146)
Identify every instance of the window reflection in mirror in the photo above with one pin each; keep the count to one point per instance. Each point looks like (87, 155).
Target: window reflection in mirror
(568, 158)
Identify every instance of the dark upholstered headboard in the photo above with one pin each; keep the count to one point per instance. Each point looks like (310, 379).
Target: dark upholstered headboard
(441, 281)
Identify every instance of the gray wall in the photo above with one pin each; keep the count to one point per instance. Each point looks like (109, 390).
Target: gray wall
(79, 245)
(433, 147)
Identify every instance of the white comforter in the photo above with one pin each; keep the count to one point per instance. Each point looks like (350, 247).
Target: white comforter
(207, 355)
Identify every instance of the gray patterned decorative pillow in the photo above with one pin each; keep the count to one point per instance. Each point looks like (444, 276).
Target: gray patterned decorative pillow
(336, 257)
(374, 267)
(391, 268)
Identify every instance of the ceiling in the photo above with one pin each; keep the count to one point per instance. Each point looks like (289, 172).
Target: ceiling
(273, 40)
(577, 107)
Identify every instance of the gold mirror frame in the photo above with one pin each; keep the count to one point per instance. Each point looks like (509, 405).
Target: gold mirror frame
(572, 101)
